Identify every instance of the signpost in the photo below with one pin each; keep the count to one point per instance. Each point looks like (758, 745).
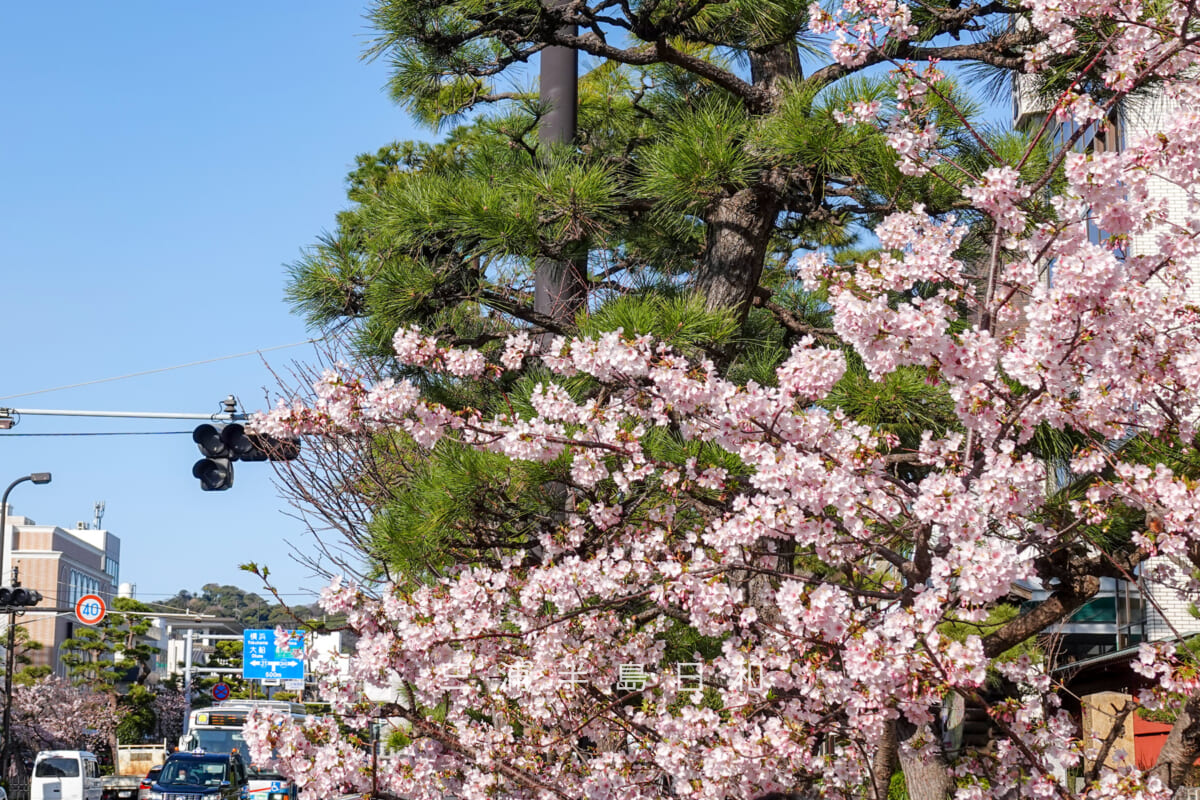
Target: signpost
(263, 660)
(220, 691)
(90, 609)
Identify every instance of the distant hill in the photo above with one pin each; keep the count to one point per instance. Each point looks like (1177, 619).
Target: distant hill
(247, 608)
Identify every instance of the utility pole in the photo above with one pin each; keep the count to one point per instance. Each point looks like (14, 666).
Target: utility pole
(560, 287)
(187, 680)
(10, 663)
(10, 657)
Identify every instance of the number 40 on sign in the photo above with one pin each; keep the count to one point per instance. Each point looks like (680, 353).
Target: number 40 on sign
(90, 609)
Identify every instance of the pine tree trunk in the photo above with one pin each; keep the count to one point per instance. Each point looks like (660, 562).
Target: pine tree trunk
(560, 287)
(739, 227)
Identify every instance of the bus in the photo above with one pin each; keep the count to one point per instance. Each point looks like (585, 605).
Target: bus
(218, 729)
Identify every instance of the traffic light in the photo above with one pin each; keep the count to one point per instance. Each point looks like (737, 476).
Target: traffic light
(223, 445)
(247, 446)
(215, 470)
(19, 596)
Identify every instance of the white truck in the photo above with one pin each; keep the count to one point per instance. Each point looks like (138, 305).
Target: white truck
(133, 762)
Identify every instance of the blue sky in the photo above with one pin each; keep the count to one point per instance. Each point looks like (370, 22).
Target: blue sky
(160, 164)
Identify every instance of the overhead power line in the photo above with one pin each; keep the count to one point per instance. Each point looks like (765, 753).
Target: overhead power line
(160, 369)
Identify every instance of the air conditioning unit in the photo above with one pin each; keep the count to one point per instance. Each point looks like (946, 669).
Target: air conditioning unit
(81, 526)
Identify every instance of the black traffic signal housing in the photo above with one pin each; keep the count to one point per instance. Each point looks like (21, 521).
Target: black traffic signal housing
(12, 596)
(223, 445)
(247, 446)
(215, 470)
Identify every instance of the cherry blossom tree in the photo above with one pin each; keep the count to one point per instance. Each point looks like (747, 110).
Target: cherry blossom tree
(170, 708)
(821, 569)
(52, 713)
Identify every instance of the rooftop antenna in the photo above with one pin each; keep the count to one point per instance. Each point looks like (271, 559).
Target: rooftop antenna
(98, 513)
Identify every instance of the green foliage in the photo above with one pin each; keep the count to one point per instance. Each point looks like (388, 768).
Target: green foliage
(446, 498)
(905, 403)
(88, 657)
(802, 130)
(27, 676)
(112, 652)
(138, 720)
(678, 319)
(23, 647)
(698, 157)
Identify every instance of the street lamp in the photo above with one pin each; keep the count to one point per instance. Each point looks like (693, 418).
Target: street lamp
(10, 660)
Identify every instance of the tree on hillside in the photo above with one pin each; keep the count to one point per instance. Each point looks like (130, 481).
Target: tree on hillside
(824, 410)
(248, 608)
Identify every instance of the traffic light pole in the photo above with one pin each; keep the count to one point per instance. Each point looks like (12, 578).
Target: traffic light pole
(10, 664)
(11, 413)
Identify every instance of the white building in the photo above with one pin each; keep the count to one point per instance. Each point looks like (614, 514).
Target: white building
(1123, 614)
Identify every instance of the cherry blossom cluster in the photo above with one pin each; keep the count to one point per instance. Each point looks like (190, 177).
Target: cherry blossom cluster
(819, 481)
(860, 26)
(52, 713)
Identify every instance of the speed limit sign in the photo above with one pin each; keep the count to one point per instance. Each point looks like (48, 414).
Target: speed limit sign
(90, 609)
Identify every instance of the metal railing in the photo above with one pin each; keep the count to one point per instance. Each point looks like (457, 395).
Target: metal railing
(18, 789)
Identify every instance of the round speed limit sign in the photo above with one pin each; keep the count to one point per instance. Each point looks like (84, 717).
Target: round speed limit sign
(90, 609)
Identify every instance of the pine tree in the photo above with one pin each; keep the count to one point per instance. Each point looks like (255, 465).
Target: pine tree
(707, 156)
(713, 147)
(112, 656)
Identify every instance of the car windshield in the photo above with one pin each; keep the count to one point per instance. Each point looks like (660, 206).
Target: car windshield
(228, 740)
(263, 773)
(218, 740)
(193, 773)
(57, 768)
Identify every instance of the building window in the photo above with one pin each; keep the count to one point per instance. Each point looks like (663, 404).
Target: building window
(82, 584)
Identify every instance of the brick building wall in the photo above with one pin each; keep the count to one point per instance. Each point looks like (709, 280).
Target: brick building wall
(62, 564)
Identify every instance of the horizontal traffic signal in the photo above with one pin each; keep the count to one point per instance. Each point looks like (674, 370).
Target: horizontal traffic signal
(19, 596)
(247, 446)
(223, 445)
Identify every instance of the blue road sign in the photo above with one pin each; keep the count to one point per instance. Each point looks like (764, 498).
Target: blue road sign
(220, 691)
(262, 660)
